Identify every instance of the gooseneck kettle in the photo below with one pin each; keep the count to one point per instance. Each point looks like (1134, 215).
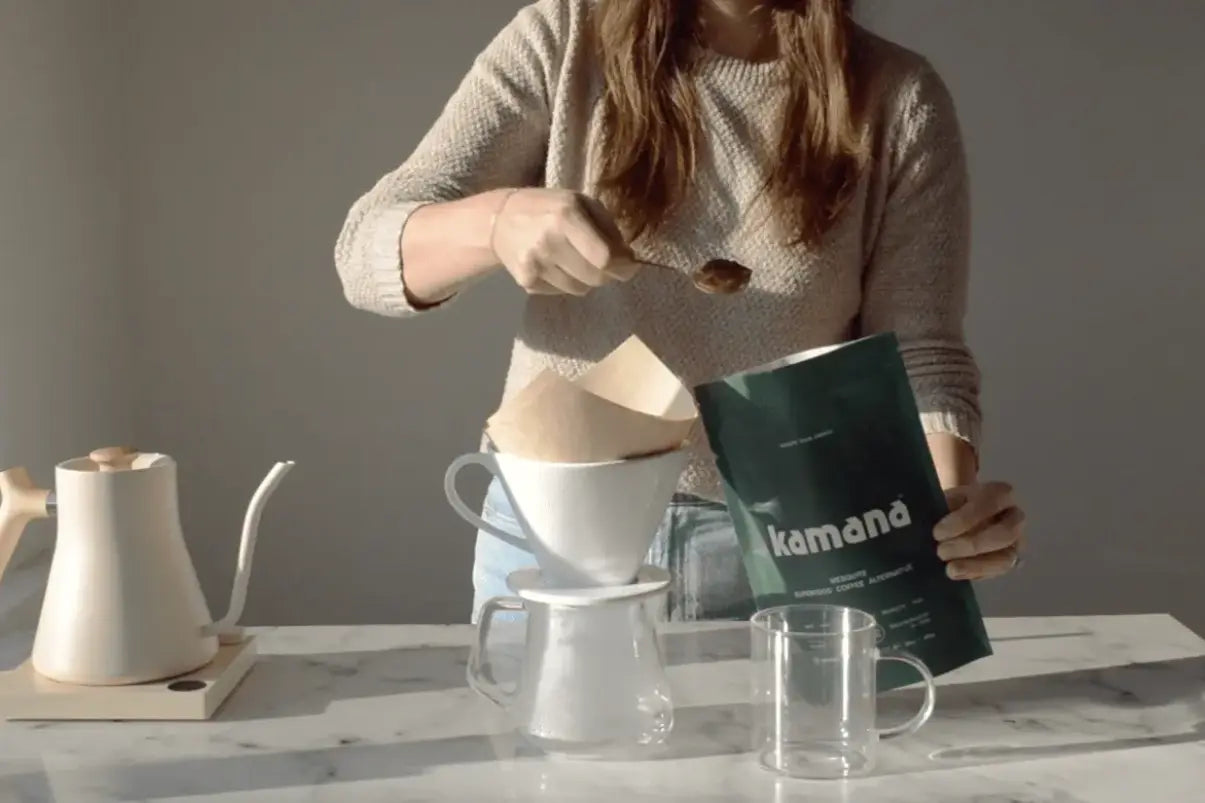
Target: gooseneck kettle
(123, 603)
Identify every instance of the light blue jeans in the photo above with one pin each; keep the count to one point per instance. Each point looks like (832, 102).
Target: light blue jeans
(696, 543)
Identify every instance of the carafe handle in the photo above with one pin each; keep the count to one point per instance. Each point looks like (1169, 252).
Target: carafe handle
(20, 503)
(481, 680)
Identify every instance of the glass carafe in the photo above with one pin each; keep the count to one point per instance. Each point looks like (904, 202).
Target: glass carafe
(592, 682)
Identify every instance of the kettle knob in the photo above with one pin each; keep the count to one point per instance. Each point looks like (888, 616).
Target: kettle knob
(113, 458)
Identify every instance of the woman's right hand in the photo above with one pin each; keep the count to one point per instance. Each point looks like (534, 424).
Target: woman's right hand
(555, 241)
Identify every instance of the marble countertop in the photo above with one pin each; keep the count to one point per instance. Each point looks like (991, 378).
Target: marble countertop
(1069, 710)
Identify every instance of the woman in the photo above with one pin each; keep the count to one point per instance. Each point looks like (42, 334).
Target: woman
(778, 134)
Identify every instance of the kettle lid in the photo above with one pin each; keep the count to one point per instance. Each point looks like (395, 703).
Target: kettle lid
(113, 458)
(123, 458)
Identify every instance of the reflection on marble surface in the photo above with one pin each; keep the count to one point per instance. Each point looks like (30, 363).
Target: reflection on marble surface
(1069, 710)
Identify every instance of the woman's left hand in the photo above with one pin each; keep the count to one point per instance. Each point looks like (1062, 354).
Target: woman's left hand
(982, 535)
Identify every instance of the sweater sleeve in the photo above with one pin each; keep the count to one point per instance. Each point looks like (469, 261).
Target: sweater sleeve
(492, 133)
(916, 278)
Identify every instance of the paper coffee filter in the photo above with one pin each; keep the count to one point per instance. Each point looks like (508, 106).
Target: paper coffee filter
(628, 405)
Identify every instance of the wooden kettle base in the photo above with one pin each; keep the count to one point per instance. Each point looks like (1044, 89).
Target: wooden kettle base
(25, 695)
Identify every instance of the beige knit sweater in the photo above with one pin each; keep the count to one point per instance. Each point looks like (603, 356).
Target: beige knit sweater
(526, 115)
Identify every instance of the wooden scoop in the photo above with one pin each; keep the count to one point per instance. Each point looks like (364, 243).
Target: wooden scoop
(715, 276)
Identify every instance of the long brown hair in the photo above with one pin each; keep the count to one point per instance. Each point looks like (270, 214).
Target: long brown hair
(648, 49)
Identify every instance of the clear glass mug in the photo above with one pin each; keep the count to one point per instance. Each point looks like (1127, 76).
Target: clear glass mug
(591, 683)
(814, 695)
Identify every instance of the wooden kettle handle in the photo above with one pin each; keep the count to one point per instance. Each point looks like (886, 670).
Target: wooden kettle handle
(20, 503)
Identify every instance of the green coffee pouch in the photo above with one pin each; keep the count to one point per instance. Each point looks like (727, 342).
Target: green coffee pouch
(834, 495)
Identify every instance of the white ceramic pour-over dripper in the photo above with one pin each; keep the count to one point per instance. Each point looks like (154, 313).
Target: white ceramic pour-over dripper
(588, 524)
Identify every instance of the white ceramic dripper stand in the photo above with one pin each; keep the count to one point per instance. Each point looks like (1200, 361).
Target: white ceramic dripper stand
(591, 682)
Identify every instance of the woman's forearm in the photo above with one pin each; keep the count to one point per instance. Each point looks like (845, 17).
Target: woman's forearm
(954, 459)
(445, 246)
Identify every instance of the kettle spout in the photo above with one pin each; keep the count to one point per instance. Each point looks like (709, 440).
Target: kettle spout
(227, 628)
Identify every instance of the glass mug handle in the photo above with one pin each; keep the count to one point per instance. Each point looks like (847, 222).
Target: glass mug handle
(481, 680)
(926, 709)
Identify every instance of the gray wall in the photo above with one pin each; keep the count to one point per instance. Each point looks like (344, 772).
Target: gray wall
(255, 125)
(1084, 124)
(64, 298)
